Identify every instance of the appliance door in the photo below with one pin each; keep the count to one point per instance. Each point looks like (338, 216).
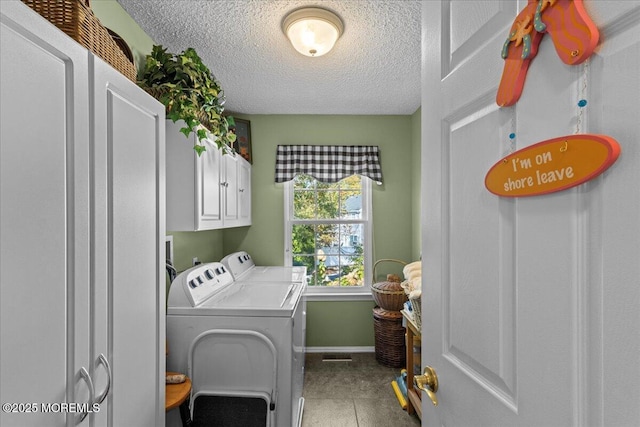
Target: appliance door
(297, 369)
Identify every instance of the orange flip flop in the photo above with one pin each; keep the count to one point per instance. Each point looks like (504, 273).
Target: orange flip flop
(518, 50)
(574, 34)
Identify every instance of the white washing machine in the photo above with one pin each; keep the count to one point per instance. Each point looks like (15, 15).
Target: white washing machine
(239, 338)
(242, 267)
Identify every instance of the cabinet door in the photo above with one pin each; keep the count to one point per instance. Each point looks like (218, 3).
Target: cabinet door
(128, 251)
(244, 192)
(43, 218)
(209, 191)
(237, 188)
(230, 185)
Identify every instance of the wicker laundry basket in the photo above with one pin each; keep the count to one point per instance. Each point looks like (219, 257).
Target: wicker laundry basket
(388, 295)
(78, 21)
(390, 345)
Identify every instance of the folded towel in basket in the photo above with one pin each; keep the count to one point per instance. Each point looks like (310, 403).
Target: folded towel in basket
(412, 285)
(413, 269)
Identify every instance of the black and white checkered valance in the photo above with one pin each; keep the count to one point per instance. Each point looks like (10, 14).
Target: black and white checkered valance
(328, 163)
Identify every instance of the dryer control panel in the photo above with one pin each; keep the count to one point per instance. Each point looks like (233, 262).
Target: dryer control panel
(238, 263)
(199, 283)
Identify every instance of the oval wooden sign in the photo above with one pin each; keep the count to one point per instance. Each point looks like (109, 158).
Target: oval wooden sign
(552, 165)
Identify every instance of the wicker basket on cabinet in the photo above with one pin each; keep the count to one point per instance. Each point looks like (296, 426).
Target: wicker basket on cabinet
(78, 21)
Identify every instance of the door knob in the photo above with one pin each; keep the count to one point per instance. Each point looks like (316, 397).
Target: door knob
(428, 382)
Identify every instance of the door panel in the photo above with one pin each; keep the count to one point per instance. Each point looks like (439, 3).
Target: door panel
(129, 295)
(43, 218)
(478, 296)
(475, 23)
(135, 283)
(230, 189)
(244, 193)
(613, 213)
(528, 303)
(211, 192)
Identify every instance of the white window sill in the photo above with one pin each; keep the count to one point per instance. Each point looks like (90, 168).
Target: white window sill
(323, 295)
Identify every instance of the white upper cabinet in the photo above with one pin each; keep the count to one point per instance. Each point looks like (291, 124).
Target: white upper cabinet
(205, 192)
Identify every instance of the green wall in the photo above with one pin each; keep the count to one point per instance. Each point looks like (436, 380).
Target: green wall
(331, 323)
(114, 17)
(416, 168)
(340, 324)
(206, 245)
(392, 201)
(396, 203)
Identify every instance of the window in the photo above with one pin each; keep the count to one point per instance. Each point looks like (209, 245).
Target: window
(328, 230)
(328, 213)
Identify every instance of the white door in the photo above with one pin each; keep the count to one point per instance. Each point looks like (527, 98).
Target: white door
(128, 256)
(530, 305)
(44, 220)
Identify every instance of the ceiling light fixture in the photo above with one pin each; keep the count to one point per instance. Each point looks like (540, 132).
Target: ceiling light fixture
(312, 31)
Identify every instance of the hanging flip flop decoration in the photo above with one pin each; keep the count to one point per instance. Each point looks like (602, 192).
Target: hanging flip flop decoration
(574, 36)
(559, 163)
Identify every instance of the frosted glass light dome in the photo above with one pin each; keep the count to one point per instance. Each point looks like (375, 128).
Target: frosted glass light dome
(312, 31)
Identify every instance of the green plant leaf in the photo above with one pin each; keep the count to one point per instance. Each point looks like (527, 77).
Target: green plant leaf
(202, 134)
(199, 149)
(187, 88)
(186, 131)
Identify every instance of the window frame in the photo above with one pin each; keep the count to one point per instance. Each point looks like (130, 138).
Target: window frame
(336, 293)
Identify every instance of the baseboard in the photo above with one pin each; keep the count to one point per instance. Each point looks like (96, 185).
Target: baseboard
(361, 349)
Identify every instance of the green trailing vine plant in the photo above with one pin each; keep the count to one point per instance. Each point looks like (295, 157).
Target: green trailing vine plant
(189, 92)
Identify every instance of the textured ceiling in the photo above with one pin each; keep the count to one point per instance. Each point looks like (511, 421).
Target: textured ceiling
(373, 69)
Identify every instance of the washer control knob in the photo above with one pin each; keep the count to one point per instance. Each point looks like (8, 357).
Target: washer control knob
(209, 274)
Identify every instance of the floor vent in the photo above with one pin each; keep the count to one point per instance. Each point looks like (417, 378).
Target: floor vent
(336, 357)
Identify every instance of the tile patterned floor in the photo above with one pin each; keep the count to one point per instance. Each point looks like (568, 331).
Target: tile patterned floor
(351, 394)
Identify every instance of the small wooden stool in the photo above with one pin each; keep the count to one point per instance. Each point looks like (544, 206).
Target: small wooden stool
(177, 395)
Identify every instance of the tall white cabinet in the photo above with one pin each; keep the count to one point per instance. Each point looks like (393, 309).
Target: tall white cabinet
(205, 192)
(82, 219)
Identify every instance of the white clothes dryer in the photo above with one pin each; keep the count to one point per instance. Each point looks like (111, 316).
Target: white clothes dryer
(243, 267)
(239, 338)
